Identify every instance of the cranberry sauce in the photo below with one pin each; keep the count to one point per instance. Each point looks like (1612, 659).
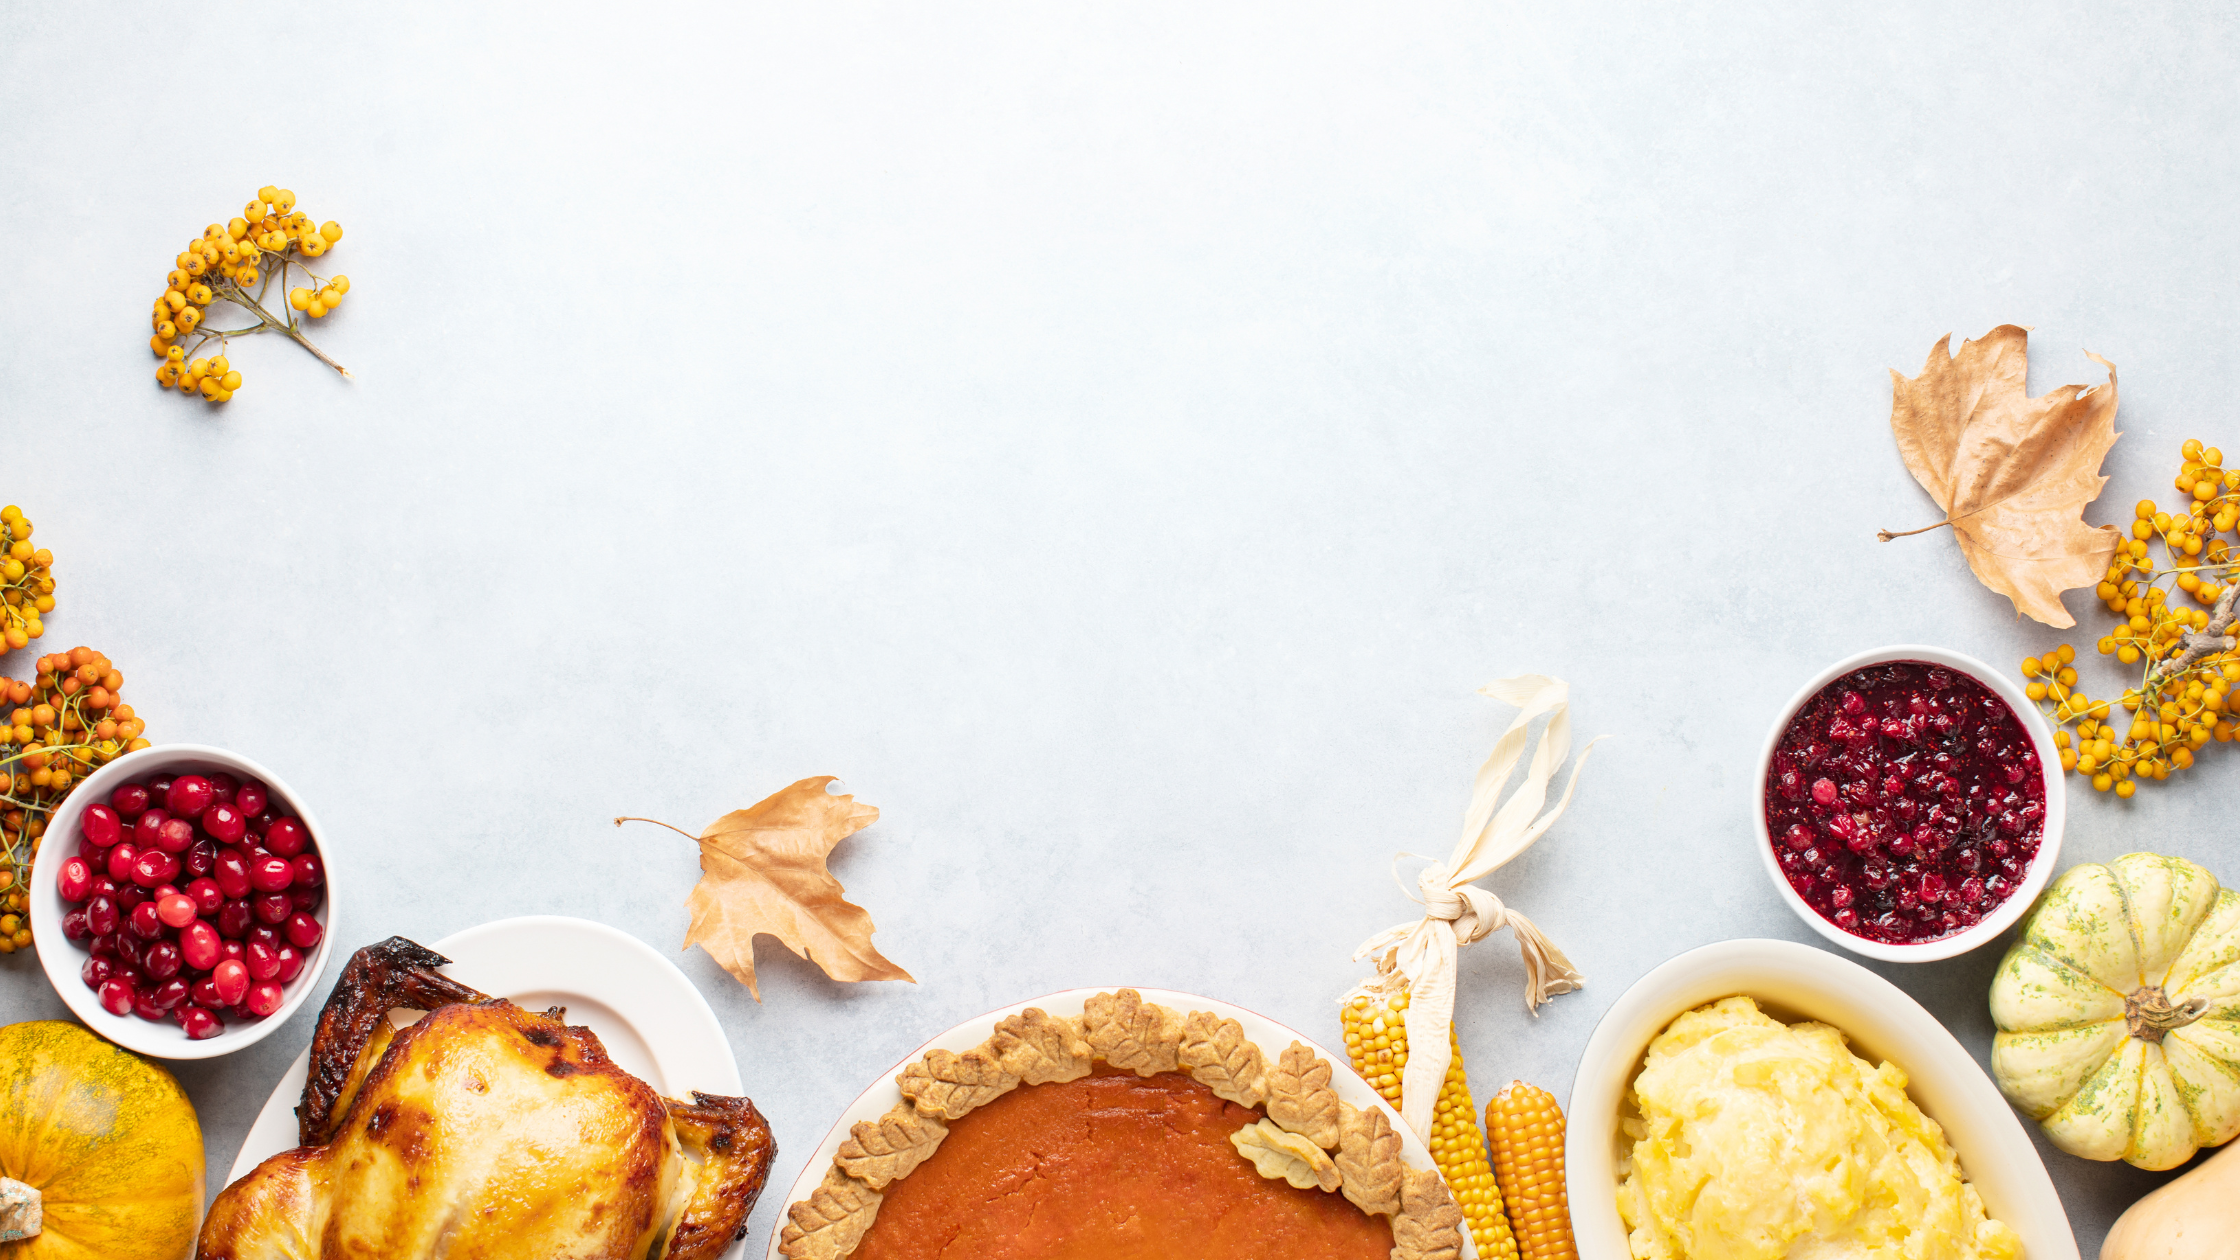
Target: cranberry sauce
(1905, 802)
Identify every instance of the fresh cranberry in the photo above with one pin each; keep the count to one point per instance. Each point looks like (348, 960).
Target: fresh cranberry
(251, 798)
(176, 835)
(271, 873)
(303, 931)
(103, 886)
(144, 1005)
(168, 994)
(223, 786)
(291, 964)
(263, 999)
(269, 937)
(199, 946)
(310, 872)
(74, 924)
(120, 861)
(74, 881)
(101, 825)
(130, 895)
(232, 873)
(231, 980)
(162, 960)
(144, 923)
(159, 787)
(117, 996)
(263, 960)
(95, 855)
(234, 919)
(176, 910)
(200, 1025)
(224, 823)
(204, 992)
(207, 897)
(154, 866)
(126, 947)
(130, 801)
(94, 972)
(307, 900)
(272, 908)
(200, 858)
(145, 827)
(235, 949)
(189, 795)
(286, 837)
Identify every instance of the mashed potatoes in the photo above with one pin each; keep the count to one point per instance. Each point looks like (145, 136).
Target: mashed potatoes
(1759, 1140)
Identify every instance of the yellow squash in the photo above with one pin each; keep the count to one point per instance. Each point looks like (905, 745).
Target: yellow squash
(2119, 1012)
(107, 1140)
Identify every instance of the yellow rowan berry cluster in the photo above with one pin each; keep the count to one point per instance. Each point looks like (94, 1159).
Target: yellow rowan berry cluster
(238, 262)
(63, 723)
(26, 581)
(2185, 697)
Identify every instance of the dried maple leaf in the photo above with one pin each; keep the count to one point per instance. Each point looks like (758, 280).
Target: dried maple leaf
(762, 872)
(2011, 472)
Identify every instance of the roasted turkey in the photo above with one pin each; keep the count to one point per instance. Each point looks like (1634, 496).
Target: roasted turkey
(485, 1132)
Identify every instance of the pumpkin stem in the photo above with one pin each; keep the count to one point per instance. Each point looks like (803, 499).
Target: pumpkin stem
(2150, 1014)
(20, 1214)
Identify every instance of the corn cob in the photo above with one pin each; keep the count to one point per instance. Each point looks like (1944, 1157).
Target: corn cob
(1527, 1129)
(1377, 1043)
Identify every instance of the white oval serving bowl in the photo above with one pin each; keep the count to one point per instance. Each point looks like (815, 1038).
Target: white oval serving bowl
(1797, 982)
(1269, 1035)
(64, 958)
(2049, 842)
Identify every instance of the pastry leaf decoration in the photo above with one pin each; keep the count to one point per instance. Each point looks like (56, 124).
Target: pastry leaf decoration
(762, 873)
(2011, 472)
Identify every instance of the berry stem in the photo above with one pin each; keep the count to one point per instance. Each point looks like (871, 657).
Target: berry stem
(239, 296)
(658, 823)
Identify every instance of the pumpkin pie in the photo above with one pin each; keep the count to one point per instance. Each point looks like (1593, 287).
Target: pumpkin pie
(1130, 1132)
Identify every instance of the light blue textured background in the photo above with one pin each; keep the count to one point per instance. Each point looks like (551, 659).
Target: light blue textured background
(1116, 442)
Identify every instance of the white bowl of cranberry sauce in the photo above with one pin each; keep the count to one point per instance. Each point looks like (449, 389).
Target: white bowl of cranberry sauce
(181, 902)
(1910, 804)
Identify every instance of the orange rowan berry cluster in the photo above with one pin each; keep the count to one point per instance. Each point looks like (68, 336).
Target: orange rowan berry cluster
(238, 262)
(26, 581)
(2189, 688)
(62, 724)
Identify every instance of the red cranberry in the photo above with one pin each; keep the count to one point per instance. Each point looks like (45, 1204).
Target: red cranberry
(1824, 791)
(199, 946)
(263, 999)
(271, 873)
(231, 979)
(303, 931)
(94, 972)
(74, 925)
(1799, 837)
(130, 895)
(104, 945)
(154, 866)
(176, 835)
(223, 786)
(268, 937)
(101, 825)
(272, 908)
(235, 950)
(145, 827)
(176, 910)
(286, 837)
(250, 799)
(74, 881)
(306, 900)
(117, 996)
(207, 897)
(103, 886)
(232, 873)
(1847, 919)
(291, 964)
(158, 787)
(168, 994)
(224, 823)
(200, 858)
(102, 914)
(199, 1024)
(144, 923)
(204, 992)
(121, 859)
(162, 960)
(234, 919)
(143, 1005)
(263, 960)
(130, 801)
(310, 872)
(189, 795)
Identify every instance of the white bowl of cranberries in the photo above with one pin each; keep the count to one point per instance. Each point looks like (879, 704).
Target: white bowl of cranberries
(1910, 804)
(181, 902)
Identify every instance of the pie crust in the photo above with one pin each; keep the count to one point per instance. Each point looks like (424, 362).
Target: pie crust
(1309, 1138)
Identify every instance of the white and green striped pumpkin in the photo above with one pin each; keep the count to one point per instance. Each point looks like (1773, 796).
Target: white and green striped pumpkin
(2119, 1012)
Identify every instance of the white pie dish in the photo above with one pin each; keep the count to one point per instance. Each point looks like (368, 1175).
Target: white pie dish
(64, 958)
(1794, 982)
(654, 1024)
(1269, 1035)
(2049, 844)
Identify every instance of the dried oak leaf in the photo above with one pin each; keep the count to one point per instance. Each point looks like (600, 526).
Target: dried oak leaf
(2011, 472)
(762, 872)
